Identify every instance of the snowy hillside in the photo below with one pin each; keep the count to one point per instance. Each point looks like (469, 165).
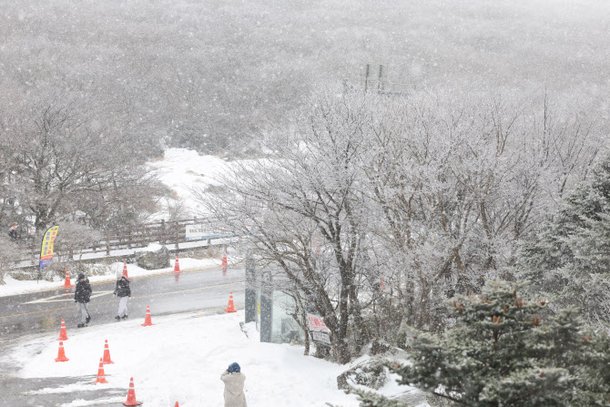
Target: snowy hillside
(184, 171)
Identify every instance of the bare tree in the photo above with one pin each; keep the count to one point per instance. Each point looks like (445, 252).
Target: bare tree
(378, 210)
(457, 185)
(63, 164)
(303, 212)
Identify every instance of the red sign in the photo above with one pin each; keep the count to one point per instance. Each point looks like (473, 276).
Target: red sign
(316, 323)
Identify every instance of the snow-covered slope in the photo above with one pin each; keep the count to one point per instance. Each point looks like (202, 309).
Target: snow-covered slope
(185, 172)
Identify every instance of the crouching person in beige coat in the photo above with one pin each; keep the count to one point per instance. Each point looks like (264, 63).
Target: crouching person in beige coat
(234, 386)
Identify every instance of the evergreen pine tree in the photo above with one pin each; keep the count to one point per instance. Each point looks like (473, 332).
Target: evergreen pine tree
(570, 258)
(371, 399)
(506, 351)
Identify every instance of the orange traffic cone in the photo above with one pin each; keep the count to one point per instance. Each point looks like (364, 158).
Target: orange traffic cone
(224, 264)
(125, 269)
(177, 265)
(63, 335)
(176, 405)
(131, 395)
(177, 269)
(101, 376)
(230, 305)
(67, 284)
(61, 354)
(147, 320)
(106, 359)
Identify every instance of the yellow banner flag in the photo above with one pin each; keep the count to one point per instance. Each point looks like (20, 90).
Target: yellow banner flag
(48, 242)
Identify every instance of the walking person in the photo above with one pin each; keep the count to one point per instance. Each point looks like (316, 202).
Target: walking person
(13, 231)
(122, 291)
(82, 294)
(234, 386)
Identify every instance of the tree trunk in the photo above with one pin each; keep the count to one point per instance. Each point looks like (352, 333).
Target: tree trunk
(341, 346)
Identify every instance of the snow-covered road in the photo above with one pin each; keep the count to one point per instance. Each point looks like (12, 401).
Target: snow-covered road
(37, 315)
(200, 289)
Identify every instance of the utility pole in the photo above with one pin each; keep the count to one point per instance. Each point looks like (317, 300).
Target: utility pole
(380, 80)
(368, 79)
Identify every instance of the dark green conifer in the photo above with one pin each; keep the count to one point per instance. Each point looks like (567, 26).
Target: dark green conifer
(504, 350)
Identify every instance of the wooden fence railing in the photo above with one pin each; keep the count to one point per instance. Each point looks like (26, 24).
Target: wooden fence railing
(162, 232)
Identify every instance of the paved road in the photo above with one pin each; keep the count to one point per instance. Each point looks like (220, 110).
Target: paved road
(24, 316)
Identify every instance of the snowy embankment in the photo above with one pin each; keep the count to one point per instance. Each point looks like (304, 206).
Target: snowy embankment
(15, 287)
(180, 358)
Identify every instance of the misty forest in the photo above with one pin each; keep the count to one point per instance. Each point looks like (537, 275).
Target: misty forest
(432, 179)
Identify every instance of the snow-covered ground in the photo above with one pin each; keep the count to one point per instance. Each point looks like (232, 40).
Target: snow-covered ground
(14, 287)
(186, 173)
(180, 358)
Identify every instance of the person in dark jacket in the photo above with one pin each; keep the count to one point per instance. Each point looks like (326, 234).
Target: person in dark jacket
(234, 380)
(13, 231)
(122, 291)
(82, 294)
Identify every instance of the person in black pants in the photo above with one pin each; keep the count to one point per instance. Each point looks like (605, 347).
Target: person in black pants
(122, 291)
(82, 294)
